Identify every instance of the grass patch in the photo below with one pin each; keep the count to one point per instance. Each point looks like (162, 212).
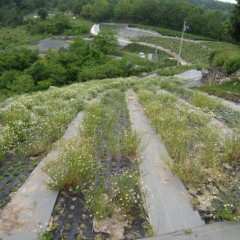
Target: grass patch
(228, 90)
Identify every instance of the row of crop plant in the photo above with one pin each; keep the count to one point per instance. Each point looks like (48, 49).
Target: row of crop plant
(30, 123)
(207, 164)
(102, 166)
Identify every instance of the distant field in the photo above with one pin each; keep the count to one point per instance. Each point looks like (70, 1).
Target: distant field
(163, 59)
(193, 52)
(196, 49)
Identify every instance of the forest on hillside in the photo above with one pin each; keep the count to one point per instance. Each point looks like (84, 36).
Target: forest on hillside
(205, 17)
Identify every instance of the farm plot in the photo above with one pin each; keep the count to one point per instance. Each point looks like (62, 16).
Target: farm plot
(162, 59)
(99, 171)
(207, 164)
(228, 90)
(206, 103)
(193, 52)
(29, 124)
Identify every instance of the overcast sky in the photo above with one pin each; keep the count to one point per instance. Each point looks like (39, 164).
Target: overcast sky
(230, 1)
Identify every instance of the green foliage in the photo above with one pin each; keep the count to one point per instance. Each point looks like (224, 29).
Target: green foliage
(10, 15)
(110, 69)
(166, 14)
(17, 59)
(42, 12)
(229, 61)
(218, 58)
(133, 65)
(7, 78)
(57, 24)
(82, 61)
(17, 36)
(48, 70)
(106, 42)
(22, 84)
(232, 64)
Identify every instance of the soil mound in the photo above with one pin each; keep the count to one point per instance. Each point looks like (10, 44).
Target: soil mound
(214, 75)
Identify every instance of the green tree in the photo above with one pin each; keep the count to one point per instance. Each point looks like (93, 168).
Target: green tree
(8, 78)
(106, 42)
(58, 24)
(42, 12)
(87, 10)
(17, 59)
(121, 10)
(10, 16)
(101, 10)
(22, 84)
(234, 22)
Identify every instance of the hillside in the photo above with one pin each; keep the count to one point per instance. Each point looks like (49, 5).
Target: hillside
(187, 113)
(205, 18)
(110, 131)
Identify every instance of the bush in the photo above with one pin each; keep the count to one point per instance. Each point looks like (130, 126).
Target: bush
(17, 59)
(7, 78)
(232, 64)
(229, 61)
(109, 70)
(218, 58)
(23, 84)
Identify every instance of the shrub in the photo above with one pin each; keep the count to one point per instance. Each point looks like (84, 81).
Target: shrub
(7, 78)
(23, 84)
(218, 58)
(75, 168)
(228, 60)
(232, 64)
(108, 70)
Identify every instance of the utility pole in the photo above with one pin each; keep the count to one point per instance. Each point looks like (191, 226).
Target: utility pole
(185, 27)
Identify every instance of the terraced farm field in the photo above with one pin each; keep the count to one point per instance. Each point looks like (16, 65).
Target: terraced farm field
(97, 171)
